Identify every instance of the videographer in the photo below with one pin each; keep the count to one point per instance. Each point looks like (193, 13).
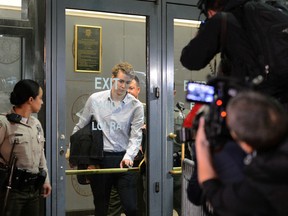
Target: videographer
(223, 146)
(259, 125)
(225, 31)
(207, 43)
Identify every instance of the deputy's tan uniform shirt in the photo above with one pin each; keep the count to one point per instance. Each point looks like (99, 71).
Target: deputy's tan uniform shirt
(29, 148)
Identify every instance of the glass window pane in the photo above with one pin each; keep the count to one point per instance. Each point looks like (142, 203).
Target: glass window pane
(10, 70)
(115, 38)
(184, 31)
(10, 9)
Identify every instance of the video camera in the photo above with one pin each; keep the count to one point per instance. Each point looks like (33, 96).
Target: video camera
(214, 96)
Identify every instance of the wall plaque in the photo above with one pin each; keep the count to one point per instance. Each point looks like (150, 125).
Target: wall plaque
(88, 48)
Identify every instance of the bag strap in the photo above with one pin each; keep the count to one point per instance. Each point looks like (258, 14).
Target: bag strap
(13, 146)
(1, 156)
(223, 32)
(222, 41)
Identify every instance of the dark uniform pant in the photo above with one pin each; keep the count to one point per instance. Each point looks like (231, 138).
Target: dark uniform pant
(125, 183)
(21, 202)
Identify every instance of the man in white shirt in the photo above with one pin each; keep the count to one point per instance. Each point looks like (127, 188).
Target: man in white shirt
(115, 207)
(120, 116)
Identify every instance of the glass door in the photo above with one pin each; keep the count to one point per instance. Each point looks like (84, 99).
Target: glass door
(89, 39)
(95, 42)
(182, 26)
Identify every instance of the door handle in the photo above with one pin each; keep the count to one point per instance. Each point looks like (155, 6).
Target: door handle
(172, 135)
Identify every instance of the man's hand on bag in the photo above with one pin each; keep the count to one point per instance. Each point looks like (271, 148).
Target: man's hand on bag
(126, 163)
(93, 166)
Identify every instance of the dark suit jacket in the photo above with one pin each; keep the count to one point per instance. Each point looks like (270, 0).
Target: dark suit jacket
(86, 145)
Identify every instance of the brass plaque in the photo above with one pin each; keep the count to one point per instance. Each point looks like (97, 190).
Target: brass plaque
(88, 47)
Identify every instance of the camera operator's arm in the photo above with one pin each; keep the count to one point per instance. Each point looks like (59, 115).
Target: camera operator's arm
(204, 159)
(204, 46)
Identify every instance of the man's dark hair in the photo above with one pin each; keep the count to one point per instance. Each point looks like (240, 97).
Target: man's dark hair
(205, 5)
(256, 119)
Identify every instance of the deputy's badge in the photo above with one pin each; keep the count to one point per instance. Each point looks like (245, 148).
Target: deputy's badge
(38, 128)
(38, 132)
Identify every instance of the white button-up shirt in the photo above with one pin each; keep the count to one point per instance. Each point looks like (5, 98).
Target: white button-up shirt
(120, 122)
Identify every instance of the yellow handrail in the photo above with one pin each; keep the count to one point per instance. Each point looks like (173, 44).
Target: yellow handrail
(101, 171)
(176, 171)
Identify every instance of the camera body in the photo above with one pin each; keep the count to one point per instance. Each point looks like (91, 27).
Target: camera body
(215, 96)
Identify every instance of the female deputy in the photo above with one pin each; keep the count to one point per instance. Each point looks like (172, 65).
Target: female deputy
(22, 142)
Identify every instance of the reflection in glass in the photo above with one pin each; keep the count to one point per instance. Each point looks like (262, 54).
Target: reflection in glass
(184, 30)
(10, 69)
(129, 44)
(10, 9)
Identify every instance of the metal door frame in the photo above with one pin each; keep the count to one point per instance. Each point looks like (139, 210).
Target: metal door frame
(181, 9)
(160, 78)
(55, 38)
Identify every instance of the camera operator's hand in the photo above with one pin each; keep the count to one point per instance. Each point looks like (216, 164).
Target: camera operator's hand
(203, 155)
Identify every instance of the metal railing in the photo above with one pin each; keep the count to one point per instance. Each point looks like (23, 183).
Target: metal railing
(188, 208)
(101, 171)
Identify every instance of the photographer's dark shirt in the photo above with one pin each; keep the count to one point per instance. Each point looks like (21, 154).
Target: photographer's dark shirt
(207, 43)
(236, 48)
(263, 191)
